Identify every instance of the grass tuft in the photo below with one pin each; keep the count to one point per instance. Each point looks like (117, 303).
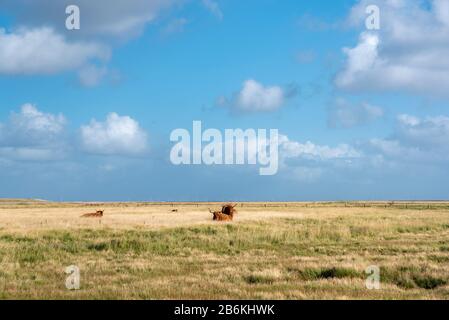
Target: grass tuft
(309, 274)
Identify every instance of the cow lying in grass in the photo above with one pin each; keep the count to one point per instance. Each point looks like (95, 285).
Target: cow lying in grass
(98, 214)
(226, 214)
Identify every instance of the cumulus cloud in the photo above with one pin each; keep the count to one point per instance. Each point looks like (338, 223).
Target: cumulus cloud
(36, 136)
(442, 11)
(33, 135)
(343, 114)
(122, 18)
(415, 140)
(31, 126)
(408, 53)
(311, 151)
(417, 143)
(42, 51)
(309, 161)
(255, 97)
(427, 133)
(41, 44)
(118, 135)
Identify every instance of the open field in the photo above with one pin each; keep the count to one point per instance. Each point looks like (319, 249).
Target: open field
(270, 251)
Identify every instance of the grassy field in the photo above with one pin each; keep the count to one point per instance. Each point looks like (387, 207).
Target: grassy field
(270, 251)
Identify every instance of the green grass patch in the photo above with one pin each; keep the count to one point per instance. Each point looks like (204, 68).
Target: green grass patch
(310, 274)
(258, 279)
(413, 277)
(429, 282)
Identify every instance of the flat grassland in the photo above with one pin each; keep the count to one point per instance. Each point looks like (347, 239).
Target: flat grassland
(270, 251)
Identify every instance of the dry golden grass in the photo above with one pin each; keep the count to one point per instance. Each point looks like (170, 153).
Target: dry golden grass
(270, 251)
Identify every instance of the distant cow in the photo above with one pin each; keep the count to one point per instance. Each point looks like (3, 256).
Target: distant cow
(98, 214)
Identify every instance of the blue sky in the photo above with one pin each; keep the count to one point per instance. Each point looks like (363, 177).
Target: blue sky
(87, 114)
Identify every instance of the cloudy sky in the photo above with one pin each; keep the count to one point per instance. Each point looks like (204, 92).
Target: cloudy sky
(87, 114)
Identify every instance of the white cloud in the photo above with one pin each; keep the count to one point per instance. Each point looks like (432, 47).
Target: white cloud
(214, 8)
(42, 51)
(34, 127)
(311, 151)
(427, 133)
(390, 148)
(361, 59)
(419, 143)
(409, 120)
(91, 75)
(442, 11)
(33, 135)
(347, 115)
(40, 43)
(31, 119)
(408, 53)
(255, 97)
(122, 18)
(392, 152)
(415, 140)
(118, 135)
(309, 162)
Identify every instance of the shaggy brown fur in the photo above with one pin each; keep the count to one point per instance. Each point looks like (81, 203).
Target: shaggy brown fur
(229, 209)
(218, 216)
(227, 213)
(98, 214)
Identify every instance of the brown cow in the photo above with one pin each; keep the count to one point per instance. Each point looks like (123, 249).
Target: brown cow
(98, 214)
(226, 214)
